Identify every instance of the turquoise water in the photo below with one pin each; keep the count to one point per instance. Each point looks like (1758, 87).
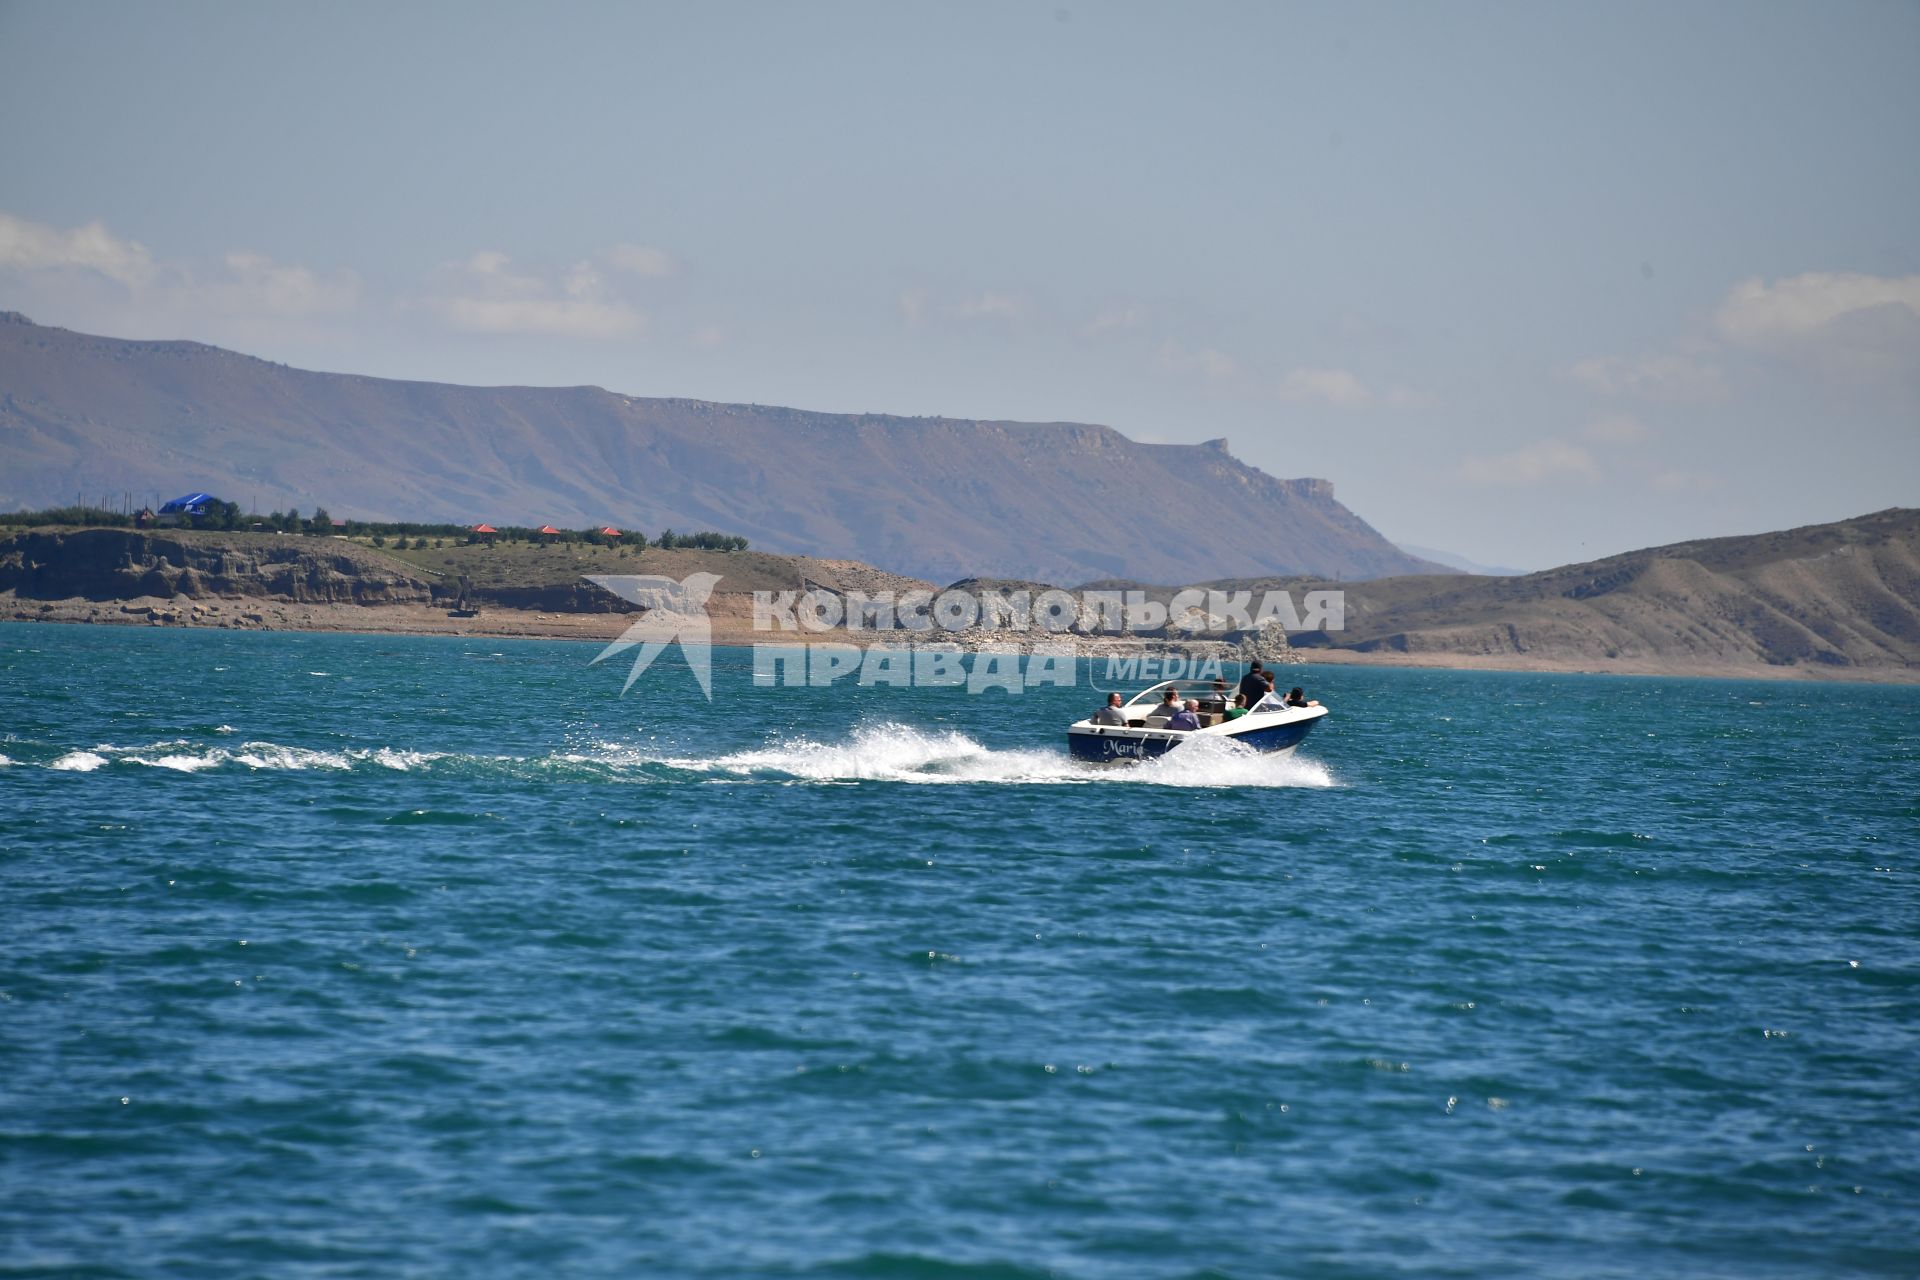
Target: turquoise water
(366, 956)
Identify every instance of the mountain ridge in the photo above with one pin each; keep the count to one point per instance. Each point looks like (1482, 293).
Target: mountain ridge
(936, 497)
(1839, 595)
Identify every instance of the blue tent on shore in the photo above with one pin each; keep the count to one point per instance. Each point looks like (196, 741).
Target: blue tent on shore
(194, 504)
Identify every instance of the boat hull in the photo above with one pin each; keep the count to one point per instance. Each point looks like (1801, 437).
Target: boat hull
(1104, 745)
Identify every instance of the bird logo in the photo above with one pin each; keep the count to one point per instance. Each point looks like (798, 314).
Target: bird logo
(671, 613)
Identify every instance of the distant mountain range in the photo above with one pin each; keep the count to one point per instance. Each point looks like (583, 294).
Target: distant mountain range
(941, 498)
(1464, 565)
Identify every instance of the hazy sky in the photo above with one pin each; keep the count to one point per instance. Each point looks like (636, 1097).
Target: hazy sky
(1528, 282)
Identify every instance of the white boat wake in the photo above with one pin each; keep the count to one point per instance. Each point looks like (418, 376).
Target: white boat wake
(884, 752)
(900, 753)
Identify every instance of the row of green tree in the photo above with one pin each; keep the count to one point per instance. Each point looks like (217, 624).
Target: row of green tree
(228, 516)
(415, 536)
(218, 515)
(67, 517)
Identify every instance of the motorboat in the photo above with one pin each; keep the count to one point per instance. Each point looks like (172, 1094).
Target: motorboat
(1145, 735)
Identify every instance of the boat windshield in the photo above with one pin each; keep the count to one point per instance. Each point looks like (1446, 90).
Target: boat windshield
(1201, 691)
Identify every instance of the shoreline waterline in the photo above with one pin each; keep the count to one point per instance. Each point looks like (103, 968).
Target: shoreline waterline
(729, 632)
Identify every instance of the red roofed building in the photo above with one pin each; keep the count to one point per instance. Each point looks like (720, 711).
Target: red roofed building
(609, 532)
(484, 528)
(548, 530)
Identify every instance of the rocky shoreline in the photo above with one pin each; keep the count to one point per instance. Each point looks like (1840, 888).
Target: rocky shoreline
(504, 624)
(267, 583)
(1576, 619)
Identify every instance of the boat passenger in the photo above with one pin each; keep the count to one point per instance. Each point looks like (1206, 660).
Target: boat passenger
(1111, 713)
(1239, 707)
(1169, 703)
(1270, 701)
(1298, 698)
(1185, 717)
(1253, 684)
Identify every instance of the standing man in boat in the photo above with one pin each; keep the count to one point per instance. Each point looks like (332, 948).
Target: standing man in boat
(1253, 685)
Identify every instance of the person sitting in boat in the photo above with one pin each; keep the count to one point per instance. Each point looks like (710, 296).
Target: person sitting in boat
(1270, 701)
(1187, 717)
(1239, 707)
(1111, 713)
(1169, 703)
(1298, 698)
(1220, 695)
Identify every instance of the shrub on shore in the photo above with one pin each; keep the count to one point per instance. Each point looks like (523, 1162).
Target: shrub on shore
(404, 534)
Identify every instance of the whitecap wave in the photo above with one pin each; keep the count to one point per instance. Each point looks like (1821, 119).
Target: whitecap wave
(179, 756)
(393, 758)
(271, 755)
(178, 762)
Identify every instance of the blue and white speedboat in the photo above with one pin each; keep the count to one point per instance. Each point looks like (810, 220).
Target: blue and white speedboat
(1145, 734)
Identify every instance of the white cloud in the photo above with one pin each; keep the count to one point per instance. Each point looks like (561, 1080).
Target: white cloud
(566, 318)
(1173, 357)
(485, 294)
(1118, 319)
(489, 262)
(1652, 377)
(92, 268)
(1344, 389)
(1845, 326)
(33, 246)
(1340, 388)
(642, 260)
(1533, 464)
(990, 306)
(581, 281)
(256, 283)
(1401, 398)
(1757, 313)
(1616, 428)
(918, 307)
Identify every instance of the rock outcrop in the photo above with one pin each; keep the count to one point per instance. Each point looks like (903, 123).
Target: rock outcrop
(124, 564)
(1269, 645)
